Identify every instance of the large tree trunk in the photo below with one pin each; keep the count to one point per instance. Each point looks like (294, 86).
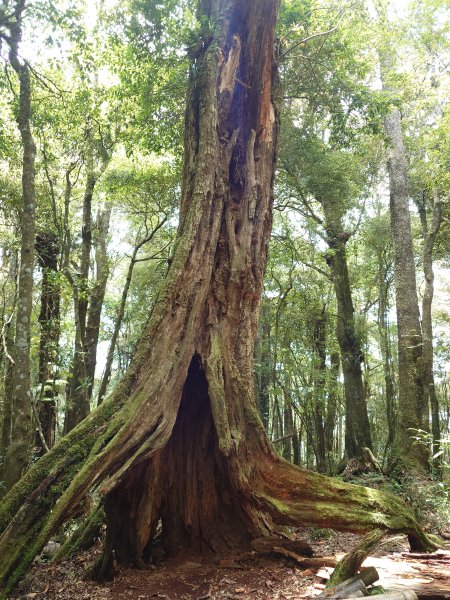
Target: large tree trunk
(180, 438)
(17, 455)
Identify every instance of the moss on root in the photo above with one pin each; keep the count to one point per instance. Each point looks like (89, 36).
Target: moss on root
(297, 497)
(84, 536)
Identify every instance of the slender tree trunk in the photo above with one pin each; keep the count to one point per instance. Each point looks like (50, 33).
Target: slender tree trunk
(8, 329)
(86, 246)
(430, 233)
(97, 296)
(357, 427)
(17, 455)
(180, 439)
(8, 395)
(332, 410)
(87, 307)
(412, 409)
(121, 312)
(264, 369)
(49, 319)
(319, 410)
(412, 405)
(288, 427)
(386, 355)
(77, 394)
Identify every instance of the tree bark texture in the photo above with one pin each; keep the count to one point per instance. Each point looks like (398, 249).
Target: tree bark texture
(17, 455)
(180, 439)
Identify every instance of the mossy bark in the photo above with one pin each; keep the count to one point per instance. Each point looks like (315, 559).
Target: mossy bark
(17, 453)
(85, 534)
(180, 439)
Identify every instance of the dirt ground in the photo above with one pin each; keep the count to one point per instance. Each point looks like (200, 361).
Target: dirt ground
(238, 576)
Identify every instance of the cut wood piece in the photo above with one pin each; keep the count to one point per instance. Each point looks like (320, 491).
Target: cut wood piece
(406, 595)
(421, 556)
(368, 576)
(313, 563)
(354, 589)
(265, 545)
(352, 561)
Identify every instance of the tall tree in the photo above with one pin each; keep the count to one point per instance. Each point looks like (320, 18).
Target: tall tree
(180, 439)
(325, 178)
(17, 455)
(429, 232)
(412, 405)
(87, 297)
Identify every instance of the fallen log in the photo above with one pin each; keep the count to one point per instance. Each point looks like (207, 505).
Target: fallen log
(406, 595)
(426, 557)
(265, 545)
(308, 563)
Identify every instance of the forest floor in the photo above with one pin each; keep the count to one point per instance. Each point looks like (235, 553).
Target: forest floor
(238, 576)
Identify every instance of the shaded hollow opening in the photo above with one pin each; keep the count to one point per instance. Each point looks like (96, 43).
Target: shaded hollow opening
(186, 486)
(198, 509)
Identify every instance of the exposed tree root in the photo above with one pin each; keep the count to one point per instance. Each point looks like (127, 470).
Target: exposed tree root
(287, 494)
(302, 498)
(84, 536)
